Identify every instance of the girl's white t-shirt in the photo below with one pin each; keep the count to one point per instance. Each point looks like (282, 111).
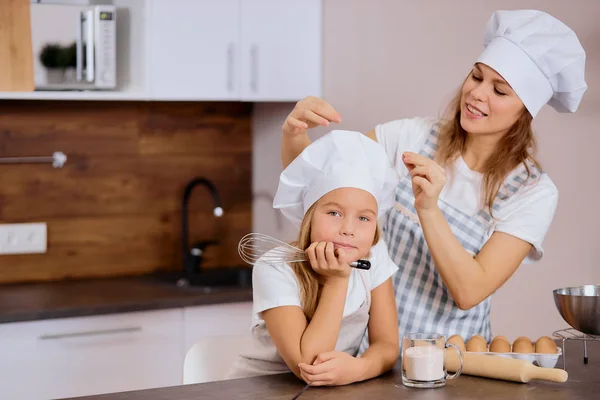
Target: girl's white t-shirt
(527, 214)
(275, 285)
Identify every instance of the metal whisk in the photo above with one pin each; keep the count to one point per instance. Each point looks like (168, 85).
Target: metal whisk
(257, 245)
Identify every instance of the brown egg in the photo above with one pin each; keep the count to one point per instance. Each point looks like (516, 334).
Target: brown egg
(458, 341)
(522, 345)
(500, 344)
(477, 343)
(545, 345)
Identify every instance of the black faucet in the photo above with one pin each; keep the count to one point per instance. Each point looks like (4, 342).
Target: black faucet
(193, 256)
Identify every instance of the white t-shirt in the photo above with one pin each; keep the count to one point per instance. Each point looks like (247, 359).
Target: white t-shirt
(275, 285)
(526, 215)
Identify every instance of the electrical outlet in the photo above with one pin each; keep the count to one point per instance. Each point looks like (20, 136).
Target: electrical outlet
(23, 238)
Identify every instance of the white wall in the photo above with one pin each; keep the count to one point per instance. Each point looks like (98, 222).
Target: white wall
(389, 59)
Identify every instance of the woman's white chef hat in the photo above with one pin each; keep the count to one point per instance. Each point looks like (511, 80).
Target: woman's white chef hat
(539, 56)
(336, 160)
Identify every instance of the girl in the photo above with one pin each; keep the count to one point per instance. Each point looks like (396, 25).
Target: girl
(310, 318)
(472, 203)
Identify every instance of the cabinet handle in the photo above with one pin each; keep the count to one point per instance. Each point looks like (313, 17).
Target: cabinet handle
(230, 66)
(254, 68)
(91, 333)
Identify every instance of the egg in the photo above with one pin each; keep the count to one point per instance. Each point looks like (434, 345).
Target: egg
(458, 341)
(500, 344)
(522, 345)
(477, 343)
(545, 345)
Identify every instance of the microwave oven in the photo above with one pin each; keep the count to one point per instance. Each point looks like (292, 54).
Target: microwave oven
(74, 46)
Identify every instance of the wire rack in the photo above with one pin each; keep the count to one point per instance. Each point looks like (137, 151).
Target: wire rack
(573, 334)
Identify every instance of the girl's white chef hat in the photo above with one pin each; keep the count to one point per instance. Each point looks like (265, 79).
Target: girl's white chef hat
(337, 159)
(539, 56)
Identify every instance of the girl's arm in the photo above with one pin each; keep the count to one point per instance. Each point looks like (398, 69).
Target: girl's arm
(297, 340)
(339, 368)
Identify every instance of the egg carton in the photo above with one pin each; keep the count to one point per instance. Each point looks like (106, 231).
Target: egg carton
(540, 359)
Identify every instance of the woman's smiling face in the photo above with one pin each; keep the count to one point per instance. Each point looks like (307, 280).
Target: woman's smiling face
(488, 104)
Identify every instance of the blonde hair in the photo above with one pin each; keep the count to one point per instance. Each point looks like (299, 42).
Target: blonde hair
(308, 279)
(516, 147)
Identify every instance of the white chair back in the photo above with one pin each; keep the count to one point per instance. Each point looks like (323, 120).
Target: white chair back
(211, 357)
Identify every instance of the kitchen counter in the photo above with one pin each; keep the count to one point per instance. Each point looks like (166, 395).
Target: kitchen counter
(583, 383)
(66, 299)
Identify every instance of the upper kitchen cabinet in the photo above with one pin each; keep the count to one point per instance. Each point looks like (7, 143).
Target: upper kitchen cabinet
(193, 49)
(87, 50)
(281, 49)
(249, 50)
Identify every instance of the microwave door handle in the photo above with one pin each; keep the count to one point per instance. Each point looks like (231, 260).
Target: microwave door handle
(79, 49)
(89, 47)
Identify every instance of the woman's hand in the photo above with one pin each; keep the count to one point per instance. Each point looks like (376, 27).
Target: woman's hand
(323, 260)
(331, 369)
(309, 113)
(428, 179)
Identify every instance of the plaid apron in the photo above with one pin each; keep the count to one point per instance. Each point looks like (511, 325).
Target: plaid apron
(424, 303)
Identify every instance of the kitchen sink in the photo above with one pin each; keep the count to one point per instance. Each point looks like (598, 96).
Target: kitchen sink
(210, 279)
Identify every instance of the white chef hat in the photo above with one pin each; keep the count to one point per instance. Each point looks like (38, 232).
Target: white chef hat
(338, 159)
(539, 56)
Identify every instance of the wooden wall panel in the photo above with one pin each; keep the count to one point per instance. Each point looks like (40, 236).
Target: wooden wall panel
(16, 58)
(114, 208)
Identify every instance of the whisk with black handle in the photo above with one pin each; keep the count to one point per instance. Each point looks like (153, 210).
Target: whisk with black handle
(257, 245)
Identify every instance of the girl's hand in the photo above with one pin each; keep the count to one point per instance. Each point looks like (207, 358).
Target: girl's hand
(428, 179)
(309, 113)
(332, 368)
(323, 260)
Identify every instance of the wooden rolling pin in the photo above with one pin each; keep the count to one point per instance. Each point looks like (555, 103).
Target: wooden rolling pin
(497, 367)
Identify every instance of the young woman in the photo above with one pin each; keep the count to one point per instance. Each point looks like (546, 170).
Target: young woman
(310, 318)
(472, 203)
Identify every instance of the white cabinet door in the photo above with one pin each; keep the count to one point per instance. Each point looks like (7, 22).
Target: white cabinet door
(193, 49)
(281, 49)
(216, 320)
(91, 355)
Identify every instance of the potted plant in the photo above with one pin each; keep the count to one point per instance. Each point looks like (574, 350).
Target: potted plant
(58, 60)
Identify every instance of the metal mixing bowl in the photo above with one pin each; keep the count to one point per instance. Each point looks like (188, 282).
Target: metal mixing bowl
(580, 307)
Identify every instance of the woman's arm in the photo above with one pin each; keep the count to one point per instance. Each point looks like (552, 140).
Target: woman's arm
(469, 279)
(307, 114)
(292, 145)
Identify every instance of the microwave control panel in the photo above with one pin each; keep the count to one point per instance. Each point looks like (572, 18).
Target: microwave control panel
(106, 50)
